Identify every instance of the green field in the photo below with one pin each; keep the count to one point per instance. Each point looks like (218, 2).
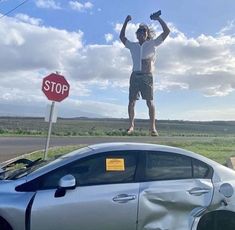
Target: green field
(215, 139)
(218, 149)
(113, 127)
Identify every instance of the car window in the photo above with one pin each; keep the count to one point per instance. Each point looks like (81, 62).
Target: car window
(201, 170)
(103, 168)
(170, 166)
(167, 166)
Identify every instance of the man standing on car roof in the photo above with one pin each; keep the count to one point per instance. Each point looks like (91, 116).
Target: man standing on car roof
(143, 56)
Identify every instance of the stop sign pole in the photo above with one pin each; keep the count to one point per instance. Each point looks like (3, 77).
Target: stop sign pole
(56, 88)
(49, 130)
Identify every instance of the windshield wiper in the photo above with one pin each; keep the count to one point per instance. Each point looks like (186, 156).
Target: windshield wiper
(10, 166)
(15, 174)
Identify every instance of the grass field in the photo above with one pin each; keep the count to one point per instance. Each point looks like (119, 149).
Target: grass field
(217, 138)
(218, 149)
(113, 127)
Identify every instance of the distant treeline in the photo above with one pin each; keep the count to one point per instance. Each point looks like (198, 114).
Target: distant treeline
(83, 126)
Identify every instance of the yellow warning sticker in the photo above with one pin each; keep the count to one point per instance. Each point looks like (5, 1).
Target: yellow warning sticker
(115, 164)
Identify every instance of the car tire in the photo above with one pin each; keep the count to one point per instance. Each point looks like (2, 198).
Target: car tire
(217, 220)
(4, 224)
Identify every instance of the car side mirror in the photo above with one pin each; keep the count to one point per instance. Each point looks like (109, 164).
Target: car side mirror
(66, 182)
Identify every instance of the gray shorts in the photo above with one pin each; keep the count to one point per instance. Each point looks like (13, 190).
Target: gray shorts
(141, 83)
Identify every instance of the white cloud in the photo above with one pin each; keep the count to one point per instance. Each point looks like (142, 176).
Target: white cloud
(29, 51)
(29, 47)
(48, 4)
(76, 5)
(209, 114)
(130, 30)
(108, 37)
(228, 29)
(28, 19)
(205, 63)
(97, 108)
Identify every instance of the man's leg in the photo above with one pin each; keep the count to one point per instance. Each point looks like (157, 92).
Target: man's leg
(151, 107)
(131, 112)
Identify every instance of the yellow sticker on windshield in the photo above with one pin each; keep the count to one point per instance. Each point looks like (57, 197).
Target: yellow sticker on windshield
(115, 164)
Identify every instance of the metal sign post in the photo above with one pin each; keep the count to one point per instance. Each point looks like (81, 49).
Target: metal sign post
(56, 88)
(49, 130)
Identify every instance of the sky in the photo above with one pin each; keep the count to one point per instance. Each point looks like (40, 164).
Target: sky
(194, 76)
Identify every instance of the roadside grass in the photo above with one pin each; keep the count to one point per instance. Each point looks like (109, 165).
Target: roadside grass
(219, 149)
(54, 152)
(214, 139)
(26, 126)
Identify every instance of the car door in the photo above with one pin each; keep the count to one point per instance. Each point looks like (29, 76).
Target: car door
(176, 190)
(106, 196)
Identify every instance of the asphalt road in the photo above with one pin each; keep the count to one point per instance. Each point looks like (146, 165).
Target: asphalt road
(11, 147)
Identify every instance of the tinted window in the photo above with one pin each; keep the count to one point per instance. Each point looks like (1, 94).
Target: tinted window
(201, 170)
(170, 166)
(105, 168)
(167, 166)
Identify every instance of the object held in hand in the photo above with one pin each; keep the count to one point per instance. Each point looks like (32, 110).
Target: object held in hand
(155, 15)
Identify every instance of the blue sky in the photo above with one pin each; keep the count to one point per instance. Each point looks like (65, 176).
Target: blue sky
(194, 73)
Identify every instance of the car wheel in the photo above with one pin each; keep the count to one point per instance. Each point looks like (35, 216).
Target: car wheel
(217, 220)
(4, 224)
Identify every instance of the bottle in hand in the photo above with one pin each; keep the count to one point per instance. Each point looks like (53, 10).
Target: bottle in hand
(155, 15)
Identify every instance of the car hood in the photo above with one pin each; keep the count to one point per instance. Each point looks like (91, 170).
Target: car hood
(10, 185)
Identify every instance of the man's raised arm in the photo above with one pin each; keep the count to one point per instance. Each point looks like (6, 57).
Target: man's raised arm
(164, 26)
(122, 35)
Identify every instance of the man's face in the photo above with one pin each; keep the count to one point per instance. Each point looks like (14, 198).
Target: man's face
(141, 34)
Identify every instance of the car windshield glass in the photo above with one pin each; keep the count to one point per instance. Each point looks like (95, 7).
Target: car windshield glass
(21, 168)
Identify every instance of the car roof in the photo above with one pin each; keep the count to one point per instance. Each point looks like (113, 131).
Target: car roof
(151, 147)
(115, 146)
(119, 146)
(223, 172)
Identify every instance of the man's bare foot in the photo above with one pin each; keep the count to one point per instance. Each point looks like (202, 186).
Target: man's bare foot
(154, 133)
(130, 130)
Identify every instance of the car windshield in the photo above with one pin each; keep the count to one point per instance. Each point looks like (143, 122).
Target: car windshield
(21, 167)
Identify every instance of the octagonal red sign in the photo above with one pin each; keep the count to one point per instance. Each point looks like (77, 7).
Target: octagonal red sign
(55, 87)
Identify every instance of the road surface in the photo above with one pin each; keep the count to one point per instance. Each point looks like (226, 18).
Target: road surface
(11, 147)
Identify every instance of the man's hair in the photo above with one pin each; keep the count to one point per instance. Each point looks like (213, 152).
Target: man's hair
(150, 31)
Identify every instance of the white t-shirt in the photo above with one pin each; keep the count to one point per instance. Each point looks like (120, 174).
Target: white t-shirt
(145, 51)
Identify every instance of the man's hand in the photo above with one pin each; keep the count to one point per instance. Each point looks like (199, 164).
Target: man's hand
(166, 30)
(156, 15)
(128, 18)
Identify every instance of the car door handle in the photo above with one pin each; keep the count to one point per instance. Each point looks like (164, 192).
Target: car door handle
(123, 198)
(198, 191)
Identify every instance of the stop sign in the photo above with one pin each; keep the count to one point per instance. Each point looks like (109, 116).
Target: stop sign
(55, 87)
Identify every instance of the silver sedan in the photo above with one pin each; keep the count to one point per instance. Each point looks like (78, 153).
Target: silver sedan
(119, 186)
